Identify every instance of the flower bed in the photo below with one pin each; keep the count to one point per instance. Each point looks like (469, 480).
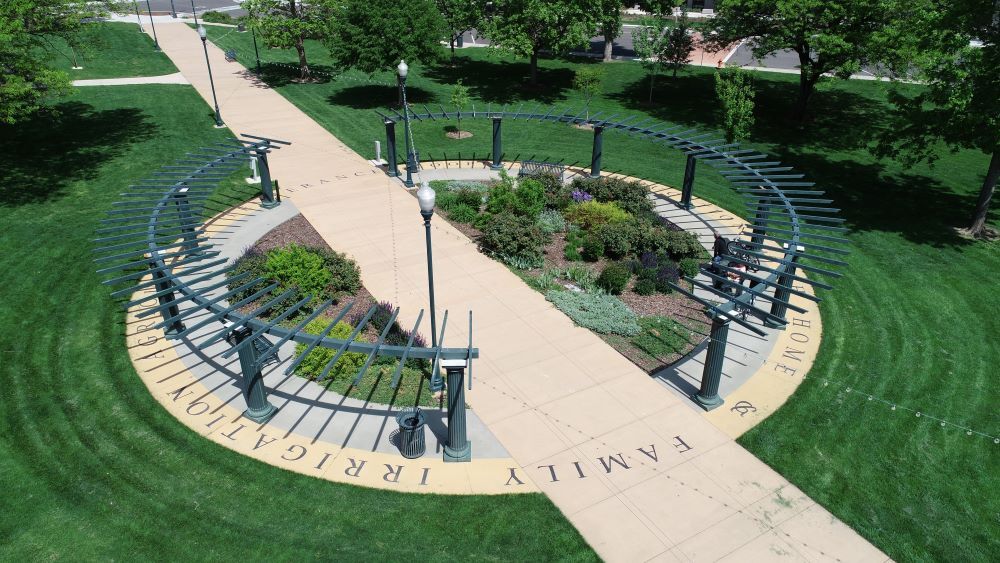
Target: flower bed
(596, 249)
(293, 254)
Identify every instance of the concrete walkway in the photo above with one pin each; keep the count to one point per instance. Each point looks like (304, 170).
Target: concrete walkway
(640, 473)
(175, 78)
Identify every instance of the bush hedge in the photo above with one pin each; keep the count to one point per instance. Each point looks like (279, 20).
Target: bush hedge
(313, 365)
(614, 277)
(591, 214)
(511, 237)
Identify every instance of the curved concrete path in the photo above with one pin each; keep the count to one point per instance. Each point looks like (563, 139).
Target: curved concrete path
(638, 471)
(175, 78)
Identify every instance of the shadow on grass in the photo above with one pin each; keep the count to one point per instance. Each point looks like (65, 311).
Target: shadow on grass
(839, 120)
(66, 143)
(504, 82)
(374, 96)
(276, 75)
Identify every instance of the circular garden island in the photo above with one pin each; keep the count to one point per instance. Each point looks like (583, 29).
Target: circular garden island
(593, 246)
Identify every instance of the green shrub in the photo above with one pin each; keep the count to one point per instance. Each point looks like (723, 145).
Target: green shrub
(469, 197)
(572, 252)
(591, 214)
(299, 267)
(690, 267)
(682, 244)
(217, 17)
(513, 237)
(601, 313)
(645, 287)
(462, 213)
(619, 238)
(593, 248)
(614, 277)
(313, 365)
(346, 274)
(526, 198)
(252, 261)
(630, 196)
(557, 194)
(551, 221)
(459, 185)
(446, 200)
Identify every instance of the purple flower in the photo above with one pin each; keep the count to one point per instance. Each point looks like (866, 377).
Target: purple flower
(581, 196)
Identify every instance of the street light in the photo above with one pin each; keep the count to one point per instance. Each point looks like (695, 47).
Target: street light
(173, 11)
(156, 42)
(194, 13)
(411, 153)
(255, 51)
(204, 38)
(426, 197)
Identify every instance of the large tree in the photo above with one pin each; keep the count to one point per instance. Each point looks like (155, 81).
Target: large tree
(528, 27)
(288, 23)
(829, 36)
(460, 16)
(374, 35)
(27, 28)
(955, 49)
(610, 24)
(660, 45)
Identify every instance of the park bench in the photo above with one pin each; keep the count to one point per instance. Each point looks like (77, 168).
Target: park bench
(534, 168)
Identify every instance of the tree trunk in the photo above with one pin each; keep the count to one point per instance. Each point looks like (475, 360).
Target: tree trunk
(534, 67)
(985, 194)
(808, 76)
(609, 44)
(453, 48)
(807, 85)
(300, 46)
(652, 77)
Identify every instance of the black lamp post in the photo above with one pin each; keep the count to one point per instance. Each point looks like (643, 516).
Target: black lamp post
(204, 38)
(411, 154)
(426, 197)
(138, 18)
(194, 13)
(156, 42)
(173, 11)
(255, 51)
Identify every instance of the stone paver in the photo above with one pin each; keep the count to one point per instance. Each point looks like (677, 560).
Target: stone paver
(631, 482)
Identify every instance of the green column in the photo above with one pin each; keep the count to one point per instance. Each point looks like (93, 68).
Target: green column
(267, 200)
(163, 282)
(595, 156)
(688, 186)
(259, 409)
(759, 225)
(184, 216)
(708, 396)
(497, 145)
(458, 448)
(781, 292)
(390, 146)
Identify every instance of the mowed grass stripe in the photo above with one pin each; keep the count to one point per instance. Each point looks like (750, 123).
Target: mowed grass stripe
(94, 468)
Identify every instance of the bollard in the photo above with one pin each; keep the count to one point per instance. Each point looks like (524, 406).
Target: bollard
(458, 449)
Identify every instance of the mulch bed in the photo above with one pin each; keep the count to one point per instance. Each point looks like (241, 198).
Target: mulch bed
(299, 230)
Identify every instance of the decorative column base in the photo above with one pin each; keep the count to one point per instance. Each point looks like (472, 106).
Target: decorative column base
(270, 204)
(458, 456)
(261, 416)
(708, 395)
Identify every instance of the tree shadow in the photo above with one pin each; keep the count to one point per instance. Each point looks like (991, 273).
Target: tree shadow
(276, 75)
(373, 96)
(918, 207)
(63, 144)
(839, 120)
(504, 82)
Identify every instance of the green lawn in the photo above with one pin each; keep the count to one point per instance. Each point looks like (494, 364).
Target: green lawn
(913, 323)
(93, 467)
(111, 50)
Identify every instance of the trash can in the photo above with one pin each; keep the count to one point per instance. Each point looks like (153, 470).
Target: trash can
(411, 433)
(241, 27)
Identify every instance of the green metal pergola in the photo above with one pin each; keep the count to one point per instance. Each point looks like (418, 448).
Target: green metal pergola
(793, 226)
(156, 231)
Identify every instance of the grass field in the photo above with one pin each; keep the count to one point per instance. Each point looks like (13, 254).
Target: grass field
(913, 323)
(111, 50)
(92, 466)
